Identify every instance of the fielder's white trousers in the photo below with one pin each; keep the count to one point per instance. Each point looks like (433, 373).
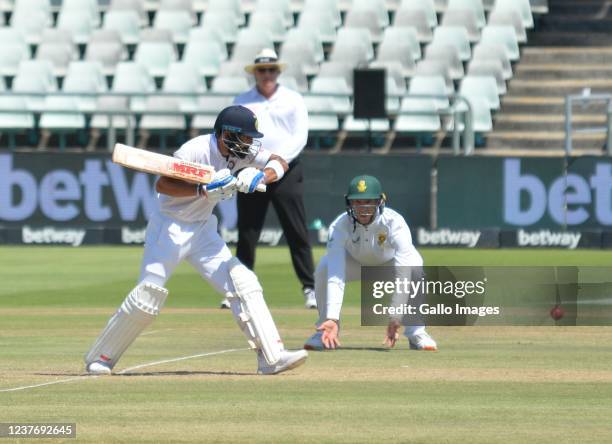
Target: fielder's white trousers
(352, 273)
(168, 242)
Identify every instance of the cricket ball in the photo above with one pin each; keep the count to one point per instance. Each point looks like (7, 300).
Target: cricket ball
(557, 312)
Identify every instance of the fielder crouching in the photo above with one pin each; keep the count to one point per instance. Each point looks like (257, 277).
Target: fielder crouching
(184, 228)
(368, 233)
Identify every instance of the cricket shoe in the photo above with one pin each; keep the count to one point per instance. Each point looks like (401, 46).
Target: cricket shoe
(98, 368)
(314, 342)
(309, 298)
(288, 360)
(422, 341)
(225, 304)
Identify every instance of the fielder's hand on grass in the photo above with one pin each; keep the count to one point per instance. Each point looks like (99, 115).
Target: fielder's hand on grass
(249, 179)
(330, 334)
(392, 333)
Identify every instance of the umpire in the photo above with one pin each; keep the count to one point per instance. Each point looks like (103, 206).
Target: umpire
(283, 119)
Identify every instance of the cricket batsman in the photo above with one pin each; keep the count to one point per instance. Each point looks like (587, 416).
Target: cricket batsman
(367, 234)
(183, 228)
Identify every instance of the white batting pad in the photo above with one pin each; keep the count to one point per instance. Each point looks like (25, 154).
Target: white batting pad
(137, 311)
(251, 312)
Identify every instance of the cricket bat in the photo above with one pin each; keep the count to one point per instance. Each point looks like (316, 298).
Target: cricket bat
(160, 164)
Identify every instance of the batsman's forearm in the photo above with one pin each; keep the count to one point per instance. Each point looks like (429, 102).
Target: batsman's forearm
(275, 169)
(175, 187)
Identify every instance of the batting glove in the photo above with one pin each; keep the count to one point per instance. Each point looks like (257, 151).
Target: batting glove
(222, 187)
(248, 179)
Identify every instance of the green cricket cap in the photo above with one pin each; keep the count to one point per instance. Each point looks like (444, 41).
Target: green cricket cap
(364, 187)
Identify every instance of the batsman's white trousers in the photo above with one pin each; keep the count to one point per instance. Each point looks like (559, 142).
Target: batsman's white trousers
(168, 242)
(352, 273)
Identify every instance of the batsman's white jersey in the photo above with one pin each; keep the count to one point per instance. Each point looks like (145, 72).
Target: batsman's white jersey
(185, 228)
(386, 241)
(203, 149)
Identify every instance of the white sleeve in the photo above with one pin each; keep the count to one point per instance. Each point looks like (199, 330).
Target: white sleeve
(299, 136)
(186, 152)
(336, 271)
(406, 255)
(405, 252)
(261, 159)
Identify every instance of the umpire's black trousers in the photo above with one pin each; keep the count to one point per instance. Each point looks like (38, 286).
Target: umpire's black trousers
(286, 196)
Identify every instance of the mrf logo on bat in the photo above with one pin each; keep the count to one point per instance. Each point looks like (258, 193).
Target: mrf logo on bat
(188, 170)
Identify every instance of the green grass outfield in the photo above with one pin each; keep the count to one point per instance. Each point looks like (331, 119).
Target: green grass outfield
(486, 384)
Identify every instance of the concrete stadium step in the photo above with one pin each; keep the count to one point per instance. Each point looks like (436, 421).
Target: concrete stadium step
(568, 52)
(568, 55)
(546, 122)
(532, 104)
(553, 71)
(576, 23)
(578, 8)
(566, 38)
(559, 87)
(544, 140)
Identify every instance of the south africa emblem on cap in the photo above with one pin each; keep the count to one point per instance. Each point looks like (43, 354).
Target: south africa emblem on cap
(361, 186)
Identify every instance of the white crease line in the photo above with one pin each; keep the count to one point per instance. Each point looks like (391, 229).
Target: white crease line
(184, 358)
(124, 371)
(61, 381)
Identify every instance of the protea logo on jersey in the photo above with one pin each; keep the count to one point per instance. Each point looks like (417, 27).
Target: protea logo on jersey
(189, 170)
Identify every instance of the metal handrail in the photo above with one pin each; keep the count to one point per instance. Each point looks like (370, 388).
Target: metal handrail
(570, 99)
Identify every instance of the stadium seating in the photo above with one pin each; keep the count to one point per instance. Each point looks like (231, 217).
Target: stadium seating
(178, 22)
(416, 19)
(481, 86)
(327, 7)
(465, 18)
(436, 47)
(504, 35)
(494, 51)
(492, 68)
(137, 6)
(456, 36)
(126, 23)
(205, 56)
(85, 77)
(521, 6)
(426, 6)
(473, 5)
(273, 22)
(447, 54)
(511, 18)
(106, 47)
(323, 23)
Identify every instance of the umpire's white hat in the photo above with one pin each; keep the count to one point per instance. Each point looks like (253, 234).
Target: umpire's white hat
(267, 58)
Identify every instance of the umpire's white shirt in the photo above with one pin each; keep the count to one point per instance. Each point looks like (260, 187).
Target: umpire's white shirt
(283, 120)
(387, 240)
(204, 150)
